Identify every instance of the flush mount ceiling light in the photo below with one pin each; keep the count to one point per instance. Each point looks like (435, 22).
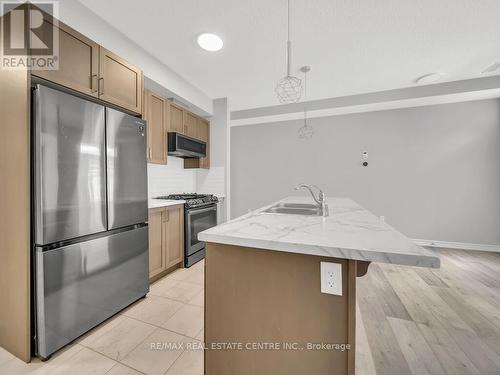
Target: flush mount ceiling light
(289, 88)
(210, 42)
(429, 78)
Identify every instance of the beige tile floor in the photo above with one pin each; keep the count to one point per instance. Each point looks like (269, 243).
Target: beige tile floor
(135, 340)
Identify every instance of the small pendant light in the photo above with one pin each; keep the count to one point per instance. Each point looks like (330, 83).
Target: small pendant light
(306, 131)
(289, 88)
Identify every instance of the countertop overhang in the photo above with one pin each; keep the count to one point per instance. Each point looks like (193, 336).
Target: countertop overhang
(350, 232)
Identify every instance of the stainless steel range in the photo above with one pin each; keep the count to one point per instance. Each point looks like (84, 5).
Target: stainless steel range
(200, 213)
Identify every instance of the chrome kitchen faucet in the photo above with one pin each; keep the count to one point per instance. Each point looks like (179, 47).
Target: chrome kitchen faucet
(320, 200)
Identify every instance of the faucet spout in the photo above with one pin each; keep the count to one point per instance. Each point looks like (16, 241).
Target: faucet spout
(309, 187)
(320, 200)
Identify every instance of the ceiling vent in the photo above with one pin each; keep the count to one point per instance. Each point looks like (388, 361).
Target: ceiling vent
(429, 78)
(492, 68)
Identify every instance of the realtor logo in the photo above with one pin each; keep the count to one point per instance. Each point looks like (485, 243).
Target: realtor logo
(29, 35)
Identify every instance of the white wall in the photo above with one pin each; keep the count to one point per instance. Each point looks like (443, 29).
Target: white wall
(91, 25)
(211, 181)
(170, 178)
(216, 179)
(434, 172)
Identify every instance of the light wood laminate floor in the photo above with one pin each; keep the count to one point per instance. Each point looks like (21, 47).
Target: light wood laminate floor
(414, 321)
(420, 321)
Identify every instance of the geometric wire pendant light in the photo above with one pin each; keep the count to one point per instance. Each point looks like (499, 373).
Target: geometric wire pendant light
(289, 88)
(306, 131)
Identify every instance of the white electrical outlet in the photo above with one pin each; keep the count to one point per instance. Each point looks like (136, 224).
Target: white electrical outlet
(331, 278)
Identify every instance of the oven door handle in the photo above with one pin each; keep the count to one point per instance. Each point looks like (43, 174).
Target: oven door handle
(195, 211)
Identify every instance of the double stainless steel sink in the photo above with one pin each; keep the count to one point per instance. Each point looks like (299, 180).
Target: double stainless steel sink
(318, 209)
(295, 209)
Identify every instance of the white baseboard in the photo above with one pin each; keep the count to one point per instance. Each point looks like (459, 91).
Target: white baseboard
(458, 245)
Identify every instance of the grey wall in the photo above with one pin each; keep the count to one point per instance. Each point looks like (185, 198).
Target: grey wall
(434, 172)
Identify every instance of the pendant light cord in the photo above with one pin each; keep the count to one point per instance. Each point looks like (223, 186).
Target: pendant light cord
(305, 86)
(288, 44)
(305, 98)
(289, 88)
(288, 30)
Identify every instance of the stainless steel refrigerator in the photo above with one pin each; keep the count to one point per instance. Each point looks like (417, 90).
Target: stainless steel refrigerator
(90, 215)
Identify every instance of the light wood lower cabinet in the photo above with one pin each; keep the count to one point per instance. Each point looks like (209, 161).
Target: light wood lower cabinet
(173, 227)
(156, 114)
(166, 239)
(156, 257)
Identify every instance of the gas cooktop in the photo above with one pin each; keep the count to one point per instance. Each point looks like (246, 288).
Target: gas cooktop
(193, 199)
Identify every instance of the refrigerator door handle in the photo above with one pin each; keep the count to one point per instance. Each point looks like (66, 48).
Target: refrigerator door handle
(37, 196)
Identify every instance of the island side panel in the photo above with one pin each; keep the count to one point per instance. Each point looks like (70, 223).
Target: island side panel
(352, 269)
(264, 296)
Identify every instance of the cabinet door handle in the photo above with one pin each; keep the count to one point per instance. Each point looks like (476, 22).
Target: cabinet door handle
(93, 83)
(101, 86)
(150, 153)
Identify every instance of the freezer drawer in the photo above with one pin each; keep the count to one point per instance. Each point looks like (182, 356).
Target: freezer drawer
(127, 169)
(81, 285)
(69, 166)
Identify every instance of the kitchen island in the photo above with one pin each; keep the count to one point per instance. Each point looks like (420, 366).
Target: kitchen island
(264, 309)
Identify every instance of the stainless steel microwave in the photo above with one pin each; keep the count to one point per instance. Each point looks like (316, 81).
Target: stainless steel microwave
(182, 146)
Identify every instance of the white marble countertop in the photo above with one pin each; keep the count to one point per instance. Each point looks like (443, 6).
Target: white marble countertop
(157, 203)
(350, 232)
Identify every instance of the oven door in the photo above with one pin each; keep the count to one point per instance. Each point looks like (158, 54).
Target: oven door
(198, 220)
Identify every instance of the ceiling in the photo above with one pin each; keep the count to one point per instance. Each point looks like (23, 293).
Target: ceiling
(353, 46)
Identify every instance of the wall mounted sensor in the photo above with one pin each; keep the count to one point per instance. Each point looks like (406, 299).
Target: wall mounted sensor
(365, 159)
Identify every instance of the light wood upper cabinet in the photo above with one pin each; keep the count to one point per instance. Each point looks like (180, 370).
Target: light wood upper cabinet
(156, 254)
(203, 134)
(120, 83)
(78, 60)
(156, 114)
(162, 116)
(176, 119)
(166, 239)
(190, 125)
(91, 69)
